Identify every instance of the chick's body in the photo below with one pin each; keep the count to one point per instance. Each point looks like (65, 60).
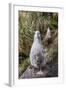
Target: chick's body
(37, 51)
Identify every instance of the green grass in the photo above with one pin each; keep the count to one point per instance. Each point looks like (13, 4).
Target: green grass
(23, 66)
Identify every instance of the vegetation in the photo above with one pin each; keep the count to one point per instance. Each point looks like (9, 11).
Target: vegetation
(29, 22)
(23, 66)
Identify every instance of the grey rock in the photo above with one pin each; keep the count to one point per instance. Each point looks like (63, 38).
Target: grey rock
(33, 73)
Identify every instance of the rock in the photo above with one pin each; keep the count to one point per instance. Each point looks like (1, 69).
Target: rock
(33, 73)
(50, 70)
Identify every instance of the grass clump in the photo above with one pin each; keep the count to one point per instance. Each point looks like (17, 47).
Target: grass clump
(23, 66)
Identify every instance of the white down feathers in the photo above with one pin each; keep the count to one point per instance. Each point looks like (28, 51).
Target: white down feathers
(37, 51)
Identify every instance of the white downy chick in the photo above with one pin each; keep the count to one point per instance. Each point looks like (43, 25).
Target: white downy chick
(48, 35)
(37, 51)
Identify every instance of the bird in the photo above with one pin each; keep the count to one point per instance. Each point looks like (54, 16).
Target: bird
(48, 36)
(37, 59)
